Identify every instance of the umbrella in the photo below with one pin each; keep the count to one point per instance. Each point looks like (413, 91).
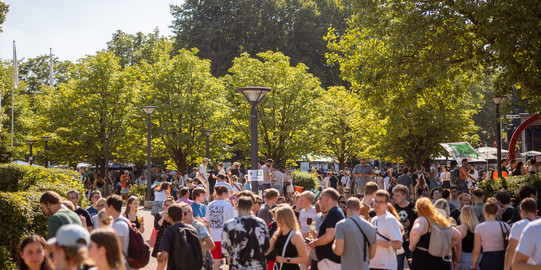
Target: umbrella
(531, 153)
(82, 165)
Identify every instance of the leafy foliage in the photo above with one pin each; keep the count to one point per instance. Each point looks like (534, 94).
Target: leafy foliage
(4, 8)
(512, 184)
(304, 179)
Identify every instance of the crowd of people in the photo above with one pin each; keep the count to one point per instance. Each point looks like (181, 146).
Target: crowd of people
(359, 219)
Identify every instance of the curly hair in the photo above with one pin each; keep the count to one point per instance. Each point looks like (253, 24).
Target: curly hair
(427, 210)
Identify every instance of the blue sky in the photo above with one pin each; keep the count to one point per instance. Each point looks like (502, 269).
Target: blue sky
(75, 28)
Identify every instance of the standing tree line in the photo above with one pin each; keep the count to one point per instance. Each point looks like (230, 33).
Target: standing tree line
(349, 79)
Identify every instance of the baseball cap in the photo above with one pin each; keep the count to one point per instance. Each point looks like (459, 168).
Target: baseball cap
(69, 236)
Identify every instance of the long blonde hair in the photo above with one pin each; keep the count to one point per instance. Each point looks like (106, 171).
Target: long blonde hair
(468, 218)
(284, 215)
(427, 210)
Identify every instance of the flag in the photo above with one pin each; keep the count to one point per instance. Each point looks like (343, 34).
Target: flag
(15, 68)
(460, 150)
(51, 72)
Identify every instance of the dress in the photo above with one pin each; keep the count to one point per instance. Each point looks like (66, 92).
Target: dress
(159, 236)
(291, 251)
(421, 260)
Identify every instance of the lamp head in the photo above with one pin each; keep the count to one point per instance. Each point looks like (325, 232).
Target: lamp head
(253, 94)
(45, 138)
(207, 132)
(30, 142)
(497, 100)
(148, 109)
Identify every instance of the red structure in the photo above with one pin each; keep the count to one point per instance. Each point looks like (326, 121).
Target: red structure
(517, 133)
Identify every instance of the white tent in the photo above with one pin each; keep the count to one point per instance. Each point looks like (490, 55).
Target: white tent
(83, 165)
(19, 162)
(491, 153)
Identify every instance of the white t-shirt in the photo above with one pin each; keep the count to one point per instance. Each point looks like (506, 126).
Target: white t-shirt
(346, 181)
(518, 228)
(224, 184)
(530, 242)
(388, 226)
(122, 230)
(303, 219)
(203, 172)
(445, 176)
(218, 212)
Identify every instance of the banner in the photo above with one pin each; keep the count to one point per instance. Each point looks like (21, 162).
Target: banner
(461, 150)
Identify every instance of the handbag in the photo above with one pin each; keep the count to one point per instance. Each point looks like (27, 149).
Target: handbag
(276, 267)
(327, 264)
(153, 237)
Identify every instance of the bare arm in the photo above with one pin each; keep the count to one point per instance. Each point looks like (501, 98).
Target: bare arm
(420, 226)
(372, 251)
(510, 254)
(338, 246)
(326, 238)
(520, 262)
(476, 250)
(209, 244)
(298, 242)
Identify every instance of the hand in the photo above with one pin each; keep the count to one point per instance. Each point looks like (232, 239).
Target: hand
(280, 259)
(312, 244)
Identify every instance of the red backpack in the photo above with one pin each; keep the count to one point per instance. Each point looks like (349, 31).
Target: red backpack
(138, 250)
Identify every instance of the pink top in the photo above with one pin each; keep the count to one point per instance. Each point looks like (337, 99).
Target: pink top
(491, 235)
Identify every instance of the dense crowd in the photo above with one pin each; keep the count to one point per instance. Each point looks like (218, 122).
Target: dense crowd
(360, 219)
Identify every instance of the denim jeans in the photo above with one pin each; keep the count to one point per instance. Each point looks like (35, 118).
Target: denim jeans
(265, 186)
(400, 258)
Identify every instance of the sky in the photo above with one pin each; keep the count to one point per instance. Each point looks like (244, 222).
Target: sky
(75, 28)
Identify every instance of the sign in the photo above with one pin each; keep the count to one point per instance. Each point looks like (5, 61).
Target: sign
(255, 175)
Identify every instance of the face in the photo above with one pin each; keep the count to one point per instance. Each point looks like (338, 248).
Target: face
(257, 206)
(72, 197)
(95, 198)
(380, 204)
(305, 202)
(454, 192)
(436, 195)
(134, 204)
(347, 193)
(101, 205)
(399, 197)
(94, 252)
(45, 208)
(466, 200)
(33, 255)
(363, 161)
(186, 213)
(342, 205)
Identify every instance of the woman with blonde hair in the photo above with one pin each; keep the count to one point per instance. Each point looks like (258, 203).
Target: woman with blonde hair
(420, 236)
(468, 221)
(443, 205)
(421, 189)
(105, 250)
(489, 236)
(287, 241)
(237, 187)
(103, 220)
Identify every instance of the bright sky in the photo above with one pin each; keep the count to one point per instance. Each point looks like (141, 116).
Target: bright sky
(75, 28)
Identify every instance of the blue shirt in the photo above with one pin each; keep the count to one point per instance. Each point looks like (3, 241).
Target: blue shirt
(199, 210)
(92, 211)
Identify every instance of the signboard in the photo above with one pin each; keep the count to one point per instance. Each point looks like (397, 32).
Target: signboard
(255, 175)
(305, 166)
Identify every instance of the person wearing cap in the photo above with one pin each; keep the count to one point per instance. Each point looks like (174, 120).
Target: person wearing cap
(70, 246)
(51, 205)
(125, 184)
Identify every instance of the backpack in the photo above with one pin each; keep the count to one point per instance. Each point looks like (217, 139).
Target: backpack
(455, 176)
(186, 252)
(138, 250)
(440, 244)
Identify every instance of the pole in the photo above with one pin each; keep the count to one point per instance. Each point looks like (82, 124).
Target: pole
(149, 162)
(45, 155)
(30, 157)
(208, 147)
(108, 182)
(254, 156)
(499, 140)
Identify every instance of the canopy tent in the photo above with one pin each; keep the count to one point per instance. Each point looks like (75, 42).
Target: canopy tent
(82, 165)
(19, 162)
(461, 150)
(491, 153)
(531, 153)
(117, 166)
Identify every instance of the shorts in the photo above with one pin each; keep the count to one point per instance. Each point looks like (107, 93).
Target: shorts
(125, 190)
(446, 184)
(217, 251)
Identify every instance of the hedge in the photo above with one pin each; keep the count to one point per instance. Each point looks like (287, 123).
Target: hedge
(20, 212)
(512, 184)
(304, 179)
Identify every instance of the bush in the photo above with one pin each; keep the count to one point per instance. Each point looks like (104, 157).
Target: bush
(20, 212)
(512, 184)
(304, 179)
(140, 193)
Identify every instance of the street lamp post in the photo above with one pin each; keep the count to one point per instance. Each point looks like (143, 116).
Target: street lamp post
(30, 143)
(108, 179)
(45, 140)
(207, 133)
(149, 110)
(254, 95)
(497, 100)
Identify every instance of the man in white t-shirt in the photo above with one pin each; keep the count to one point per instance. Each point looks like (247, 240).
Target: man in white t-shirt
(528, 211)
(308, 213)
(120, 223)
(388, 233)
(202, 171)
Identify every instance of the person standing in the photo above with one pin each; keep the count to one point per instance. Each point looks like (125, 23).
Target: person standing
(308, 213)
(528, 212)
(407, 181)
(355, 238)
(125, 180)
(218, 212)
(105, 250)
(468, 222)
(120, 223)
(271, 197)
(528, 254)
(407, 215)
(323, 243)
(333, 181)
(445, 178)
(86, 220)
(369, 192)
(267, 174)
(94, 197)
(389, 237)
(478, 197)
(287, 240)
(245, 238)
(51, 205)
(130, 213)
(202, 172)
(362, 174)
(207, 244)
(463, 175)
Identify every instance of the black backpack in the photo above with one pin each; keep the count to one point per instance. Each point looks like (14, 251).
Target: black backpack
(186, 252)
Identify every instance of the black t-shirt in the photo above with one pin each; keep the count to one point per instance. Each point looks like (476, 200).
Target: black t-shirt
(407, 217)
(84, 213)
(333, 182)
(325, 251)
(455, 213)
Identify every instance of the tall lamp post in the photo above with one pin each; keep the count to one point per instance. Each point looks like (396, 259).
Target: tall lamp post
(149, 110)
(254, 94)
(107, 178)
(497, 100)
(207, 133)
(30, 142)
(45, 140)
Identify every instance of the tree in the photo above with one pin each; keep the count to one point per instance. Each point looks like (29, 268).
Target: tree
(78, 113)
(189, 100)
(286, 115)
(35, 72)
(4, 8)
(221, 30)
(133, 49)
